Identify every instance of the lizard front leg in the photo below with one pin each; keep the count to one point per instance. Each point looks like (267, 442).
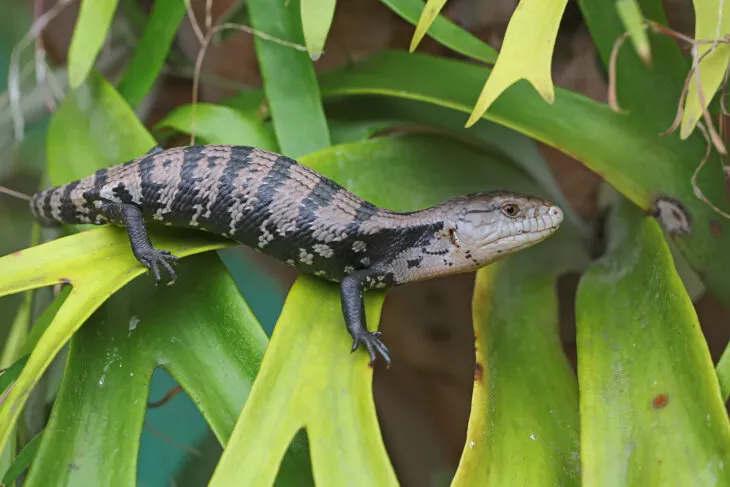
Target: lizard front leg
(130, 216)
(353, 309)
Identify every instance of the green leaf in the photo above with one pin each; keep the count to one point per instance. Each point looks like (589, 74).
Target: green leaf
(290, 83)
(650, 402)
(23, 460)
(95, 18)
(430, 13)
(200, 330)
(218, 124)
(75, 260)
(11, 373)
(623, 150)
(444, 31)
(633, 20)
(149, 56)
(712, 22)
(318, 382)
(344, 131)
(44, 320)
(527, 52)
(316, 21)
(93, 128)
(723, 373)
(524, 424)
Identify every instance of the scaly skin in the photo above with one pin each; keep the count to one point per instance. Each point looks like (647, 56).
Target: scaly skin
(276, 206)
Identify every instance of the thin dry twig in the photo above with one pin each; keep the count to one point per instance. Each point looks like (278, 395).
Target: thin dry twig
(697, 191)
(204, 47)
(723, 107)
(208, 16)
(685, 89)
(612, 99)
(15, 194)
(194, 22)
(714, 136)
(14, 77)
(41, 68)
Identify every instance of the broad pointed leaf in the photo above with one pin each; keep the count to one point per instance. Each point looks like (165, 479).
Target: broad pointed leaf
(316, 21)
(650, 402)
(527, 52)
(524, 424)
(428, 15)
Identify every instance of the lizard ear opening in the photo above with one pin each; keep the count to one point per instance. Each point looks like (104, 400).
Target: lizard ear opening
(452, 238)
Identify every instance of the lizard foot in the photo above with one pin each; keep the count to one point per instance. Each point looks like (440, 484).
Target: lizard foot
(152, 258)
(372, 341)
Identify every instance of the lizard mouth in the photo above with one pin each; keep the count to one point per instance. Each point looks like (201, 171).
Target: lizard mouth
(526, 237)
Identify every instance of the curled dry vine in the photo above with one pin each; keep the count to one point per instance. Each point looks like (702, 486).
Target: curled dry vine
(710, 134)
(205, 41)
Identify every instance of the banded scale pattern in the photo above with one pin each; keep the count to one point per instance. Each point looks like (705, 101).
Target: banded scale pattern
(264, 200)
(279, 207)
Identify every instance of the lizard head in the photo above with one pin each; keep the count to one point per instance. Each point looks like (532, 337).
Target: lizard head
(493, 225)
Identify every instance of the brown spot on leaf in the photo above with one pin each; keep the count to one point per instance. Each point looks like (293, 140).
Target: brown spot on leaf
(478, 372)
(672, 215)
(716, 228)
(659, 401)
(65, 280)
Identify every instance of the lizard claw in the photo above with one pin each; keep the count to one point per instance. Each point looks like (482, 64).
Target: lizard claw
(372, 342)
(153, 258)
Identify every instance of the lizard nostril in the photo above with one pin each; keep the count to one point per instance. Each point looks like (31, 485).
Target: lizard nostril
(556, 212)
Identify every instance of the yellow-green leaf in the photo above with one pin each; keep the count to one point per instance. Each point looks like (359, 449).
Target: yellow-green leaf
(66, 260)
(524, 426)
(526, 53)
(650, 402)
(308, 368)
(633, 19)
(428, 15)
(316, 21)
(712, 22)
(95, 18)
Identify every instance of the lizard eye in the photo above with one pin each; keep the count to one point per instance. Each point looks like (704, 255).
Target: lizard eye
(511, 210)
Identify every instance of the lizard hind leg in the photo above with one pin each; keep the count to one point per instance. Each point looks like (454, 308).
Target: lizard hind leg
(130, 217)
(353, 308)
